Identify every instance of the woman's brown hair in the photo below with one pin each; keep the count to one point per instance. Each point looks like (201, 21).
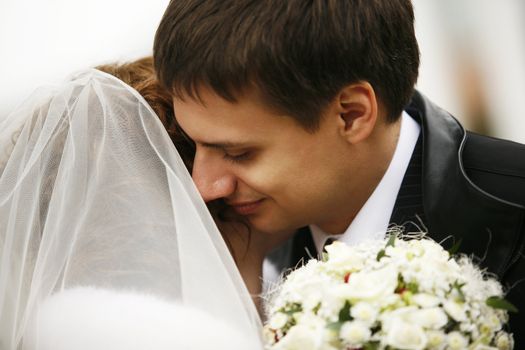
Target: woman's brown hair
(140, 75)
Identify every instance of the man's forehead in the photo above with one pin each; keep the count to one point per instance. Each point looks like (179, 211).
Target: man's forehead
(211, 132)
(204, 95)
(214, 122)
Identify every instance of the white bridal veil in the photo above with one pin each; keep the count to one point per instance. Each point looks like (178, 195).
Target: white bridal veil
(104, 240)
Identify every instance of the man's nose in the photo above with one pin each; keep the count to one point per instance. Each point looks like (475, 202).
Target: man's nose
(212, 177)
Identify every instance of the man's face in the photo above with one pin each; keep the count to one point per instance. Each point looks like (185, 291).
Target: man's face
(265, 166)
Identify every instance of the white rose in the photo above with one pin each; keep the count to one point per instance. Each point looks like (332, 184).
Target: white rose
(308, 334)
(331, 305)
(398, 257)
(365, 312)
(491, 324)
(304, 276)
(308, 291)
(456, 310)
(436, 339)
(355, 333)
(428, 277)
(504, 341)
(338, 250)
(311, 298)
(311, 269)
(439, 272)
(433, 250)
(425, 300)
(403, 335)
(372, 285)
(278, 320)
(469, 327)
(431, 318)
(393, 300)
(310, 320)
(342, 256)
(299, 337)
(456, 341)
(390, 318)
(330, 337)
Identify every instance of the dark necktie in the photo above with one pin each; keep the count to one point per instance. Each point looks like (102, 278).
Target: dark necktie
(408, 208)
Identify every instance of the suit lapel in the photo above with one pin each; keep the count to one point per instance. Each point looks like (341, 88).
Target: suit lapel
(453, 205)
(437, 191)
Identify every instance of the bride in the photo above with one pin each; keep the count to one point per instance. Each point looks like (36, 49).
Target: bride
(104, 241)
(248, 246)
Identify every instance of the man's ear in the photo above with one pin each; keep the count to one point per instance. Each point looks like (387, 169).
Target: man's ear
(358, 111)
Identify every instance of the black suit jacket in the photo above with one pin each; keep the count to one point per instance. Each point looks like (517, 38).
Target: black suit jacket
(470, 187)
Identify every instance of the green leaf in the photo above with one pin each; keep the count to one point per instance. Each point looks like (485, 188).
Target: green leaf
(400, 283)
(334, 326)
(454, 249)
(316, 308)
(451, 326)
(380, 254)
(413, 287)
(371, 346)
(292, 309)
(391, 241)
(500, 303)
(344, 314)
(458, 286)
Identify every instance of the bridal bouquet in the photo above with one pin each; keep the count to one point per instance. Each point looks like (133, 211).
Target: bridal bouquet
(388, 294)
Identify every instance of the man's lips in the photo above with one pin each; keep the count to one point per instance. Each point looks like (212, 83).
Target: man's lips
(246, 208)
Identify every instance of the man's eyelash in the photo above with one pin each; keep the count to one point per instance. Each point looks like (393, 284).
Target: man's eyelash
(237, 158)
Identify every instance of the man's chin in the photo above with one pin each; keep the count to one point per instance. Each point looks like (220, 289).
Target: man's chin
(271, 227)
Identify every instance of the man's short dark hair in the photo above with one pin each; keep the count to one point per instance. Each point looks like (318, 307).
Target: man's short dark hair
(296, 54)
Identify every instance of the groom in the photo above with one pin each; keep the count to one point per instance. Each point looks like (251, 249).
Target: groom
(305, 117)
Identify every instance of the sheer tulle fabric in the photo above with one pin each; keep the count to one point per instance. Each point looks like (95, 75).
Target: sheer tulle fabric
(94, 197)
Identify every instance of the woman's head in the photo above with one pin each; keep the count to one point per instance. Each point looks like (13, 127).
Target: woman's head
(140, 75)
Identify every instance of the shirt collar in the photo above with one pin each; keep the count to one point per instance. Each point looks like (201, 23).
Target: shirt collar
(372, 220)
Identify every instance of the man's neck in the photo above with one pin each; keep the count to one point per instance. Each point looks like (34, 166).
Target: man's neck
(373, 218)
(381, 147)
